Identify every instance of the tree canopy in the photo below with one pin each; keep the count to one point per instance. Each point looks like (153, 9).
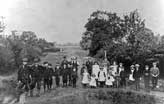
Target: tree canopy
(124, 37)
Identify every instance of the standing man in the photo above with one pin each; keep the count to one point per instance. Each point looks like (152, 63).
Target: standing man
(69, 73)
(46, 76)
(155, 74)
(137, 76)
(50, 74)
(123, 76)
(24, 76)
(89, 66)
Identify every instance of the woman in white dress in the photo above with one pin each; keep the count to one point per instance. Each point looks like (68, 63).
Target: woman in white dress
(114, 68)
(85, 78)
(95, 71)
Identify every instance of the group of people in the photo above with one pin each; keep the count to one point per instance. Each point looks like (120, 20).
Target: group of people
(105, 75)
(93, 75)
(31, 76)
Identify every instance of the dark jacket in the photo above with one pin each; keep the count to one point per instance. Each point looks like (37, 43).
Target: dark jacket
(89, 65)
(123, 74)
(64, 71)
(146, 73)
(137, 74)
(57, 72)
(23, 73)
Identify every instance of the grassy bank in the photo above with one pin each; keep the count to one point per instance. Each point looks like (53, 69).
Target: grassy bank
(101, 96)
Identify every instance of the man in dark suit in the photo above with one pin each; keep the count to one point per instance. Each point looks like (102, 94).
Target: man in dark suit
(137, 76)
(89, 66)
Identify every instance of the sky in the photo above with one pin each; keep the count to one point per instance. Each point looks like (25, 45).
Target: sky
(63, 20)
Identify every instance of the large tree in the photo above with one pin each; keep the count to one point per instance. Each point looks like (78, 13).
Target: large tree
(123, 38)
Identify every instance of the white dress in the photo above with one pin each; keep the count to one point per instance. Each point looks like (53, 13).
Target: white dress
(102, 77)
(95, 70)
(85, 79)
(106, 70)
(93, 82)
(131, 76)
(109, 80)
(114, 69)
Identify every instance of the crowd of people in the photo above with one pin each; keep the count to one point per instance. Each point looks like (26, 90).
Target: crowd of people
(96, 74)
(92, 75)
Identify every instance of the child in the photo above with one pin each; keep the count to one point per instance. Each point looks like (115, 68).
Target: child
(57, 75)
(64, 75)
(74, 77)
(95, 70)
(123, 77)
(146, 77)
(85, 78)
(154, 71)
(92, 82)
(101, 77)
(109, 82)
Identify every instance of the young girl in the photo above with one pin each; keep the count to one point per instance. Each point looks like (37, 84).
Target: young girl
(101, 77)
(108, 82)
(85, 78)
(95, 70)
(109, 79)
(92, 82)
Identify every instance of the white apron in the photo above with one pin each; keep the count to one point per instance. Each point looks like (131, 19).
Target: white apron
(93, 82)
(85, 79)
(95, 70)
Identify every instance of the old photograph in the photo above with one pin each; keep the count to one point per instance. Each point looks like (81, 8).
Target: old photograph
(81, 51)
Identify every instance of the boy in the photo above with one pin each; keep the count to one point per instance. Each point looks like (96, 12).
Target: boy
(146, 75)
(57, 75)
(154, 73)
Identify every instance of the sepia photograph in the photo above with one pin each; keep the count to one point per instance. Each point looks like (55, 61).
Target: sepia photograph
(81, 51)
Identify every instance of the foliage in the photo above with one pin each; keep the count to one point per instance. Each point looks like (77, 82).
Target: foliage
(15, 47)
(123, 38)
